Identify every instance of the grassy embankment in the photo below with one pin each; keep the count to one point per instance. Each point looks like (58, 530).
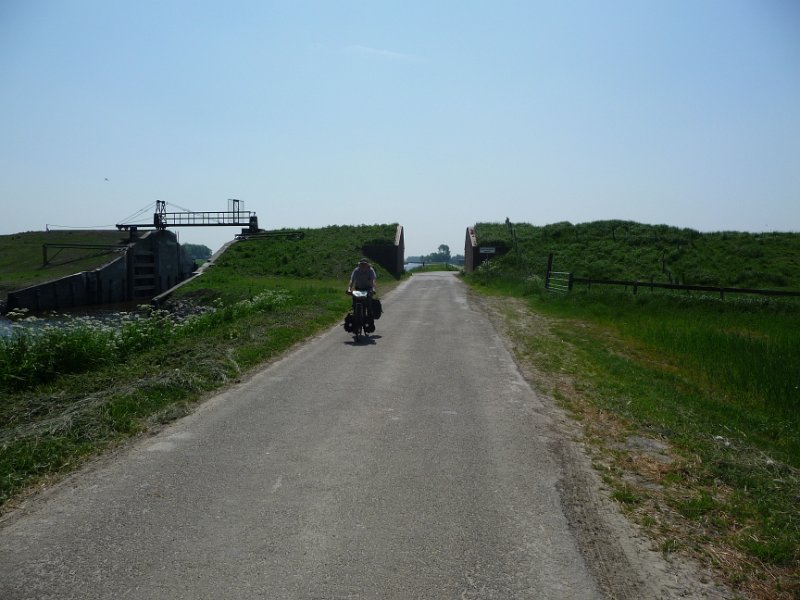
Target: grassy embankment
(692, 404)
(70, 392)
(622, 249)
(21, 256)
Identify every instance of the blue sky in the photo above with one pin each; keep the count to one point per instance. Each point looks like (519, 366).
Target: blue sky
(435, 115)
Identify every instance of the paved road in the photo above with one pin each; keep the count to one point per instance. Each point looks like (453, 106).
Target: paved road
(415, 466)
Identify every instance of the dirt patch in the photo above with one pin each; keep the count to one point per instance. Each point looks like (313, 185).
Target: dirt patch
(593, 448)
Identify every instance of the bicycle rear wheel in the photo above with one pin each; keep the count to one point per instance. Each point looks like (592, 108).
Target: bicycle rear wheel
(358, 319)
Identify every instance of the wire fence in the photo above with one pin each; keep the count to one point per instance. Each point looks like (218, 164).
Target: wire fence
(563, 282)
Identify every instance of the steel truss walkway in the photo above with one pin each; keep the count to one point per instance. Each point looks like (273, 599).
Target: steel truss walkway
(230, 218)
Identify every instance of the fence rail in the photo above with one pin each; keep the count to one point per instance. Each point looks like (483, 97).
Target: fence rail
(563, 282)
(635, 285)
(47, 256)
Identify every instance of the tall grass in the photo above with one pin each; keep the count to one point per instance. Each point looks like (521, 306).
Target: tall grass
(33, 355)
(753, 364)
(36, 354)
(743, 353)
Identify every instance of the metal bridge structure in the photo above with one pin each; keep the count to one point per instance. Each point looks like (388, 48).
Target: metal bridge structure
(233, 217)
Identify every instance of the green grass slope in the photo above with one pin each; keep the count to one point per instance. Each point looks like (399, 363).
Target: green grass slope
(21, 256)
(661, 253)
(326, 254)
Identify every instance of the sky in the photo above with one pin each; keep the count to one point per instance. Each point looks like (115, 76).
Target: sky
(432, 114)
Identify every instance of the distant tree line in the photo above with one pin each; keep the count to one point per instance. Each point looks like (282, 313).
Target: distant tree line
(197, 251)
(442, 256)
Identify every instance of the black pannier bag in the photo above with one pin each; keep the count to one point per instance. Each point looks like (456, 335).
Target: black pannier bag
(377, 309)
(348, 323)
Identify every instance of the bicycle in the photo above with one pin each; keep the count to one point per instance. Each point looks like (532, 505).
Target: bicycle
(360, 321)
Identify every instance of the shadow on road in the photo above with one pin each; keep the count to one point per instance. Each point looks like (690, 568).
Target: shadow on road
(368, 341)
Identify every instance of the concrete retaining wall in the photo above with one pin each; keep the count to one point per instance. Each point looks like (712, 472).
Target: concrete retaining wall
(152, 263)
(473, 257)
(390, 256)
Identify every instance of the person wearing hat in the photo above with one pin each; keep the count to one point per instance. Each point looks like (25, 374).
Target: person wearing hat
(363, 278)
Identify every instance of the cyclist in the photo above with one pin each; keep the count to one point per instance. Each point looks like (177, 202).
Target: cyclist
(362, 278)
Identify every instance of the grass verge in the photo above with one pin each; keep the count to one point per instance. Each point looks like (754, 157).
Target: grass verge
(691, 406)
